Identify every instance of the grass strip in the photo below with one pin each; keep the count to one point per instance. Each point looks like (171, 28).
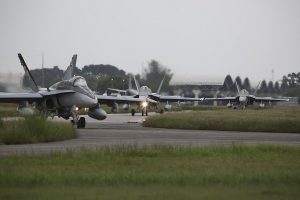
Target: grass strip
(265, 120)
(160, 172)
(34, 129)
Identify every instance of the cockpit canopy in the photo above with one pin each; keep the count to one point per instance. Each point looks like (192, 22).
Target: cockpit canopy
(244, 92)
(144, 90)
(79, 82)
(76, 81)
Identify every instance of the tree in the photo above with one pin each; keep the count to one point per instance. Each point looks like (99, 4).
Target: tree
(98, 70)
(44, 77)
(284, 83)
(246, 84)
(263, 87)
(228, 83)
(238, 80)
(270, 87)
(2, 88)
(155, 73)
(276, 88)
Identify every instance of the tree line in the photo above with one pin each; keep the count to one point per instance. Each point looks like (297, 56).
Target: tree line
(290, 86)
(100, 77)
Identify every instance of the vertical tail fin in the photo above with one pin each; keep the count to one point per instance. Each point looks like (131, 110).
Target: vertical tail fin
(70, 70)
(256, 89)
(34, 87)
(160, 85)
(129, 82)
(137, 85)
(238, 88)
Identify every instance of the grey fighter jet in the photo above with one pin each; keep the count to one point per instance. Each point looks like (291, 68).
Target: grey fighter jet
(244, 98)
(65, 97)
(145, 92)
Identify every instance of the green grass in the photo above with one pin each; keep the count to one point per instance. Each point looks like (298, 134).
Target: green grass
(34, 129)
(196, 108)
(158, 172)
(266, 120)
(8, 110)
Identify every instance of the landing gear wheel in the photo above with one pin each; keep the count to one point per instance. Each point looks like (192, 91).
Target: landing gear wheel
(81, 122)
(132, 112)
(72, 122)
(142, 112)
(146, 113)
(161, 111)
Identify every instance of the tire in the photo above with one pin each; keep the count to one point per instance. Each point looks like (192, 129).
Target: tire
(142, 112)
(146, 113)
(132, 112)
(81, 122)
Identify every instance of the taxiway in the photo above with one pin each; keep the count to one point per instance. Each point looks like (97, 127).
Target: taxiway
(123, 129)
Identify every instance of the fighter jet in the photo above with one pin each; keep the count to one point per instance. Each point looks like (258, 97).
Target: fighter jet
(145, 92)
(64, 98)
(128, 92)
(244, 98)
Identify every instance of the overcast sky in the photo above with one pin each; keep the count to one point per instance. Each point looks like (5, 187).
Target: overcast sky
(198, 40)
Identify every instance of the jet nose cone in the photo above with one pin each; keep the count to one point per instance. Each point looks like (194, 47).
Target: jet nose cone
(242, 99)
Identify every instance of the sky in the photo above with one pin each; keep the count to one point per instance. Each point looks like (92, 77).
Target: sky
(198, 40)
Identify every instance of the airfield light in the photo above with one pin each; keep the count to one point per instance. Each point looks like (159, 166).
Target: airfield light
(76, 108)
(144, 104)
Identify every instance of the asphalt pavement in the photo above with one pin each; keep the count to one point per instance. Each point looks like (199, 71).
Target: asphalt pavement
(124, 129)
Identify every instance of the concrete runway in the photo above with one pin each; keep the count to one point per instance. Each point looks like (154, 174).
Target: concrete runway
(123, 129)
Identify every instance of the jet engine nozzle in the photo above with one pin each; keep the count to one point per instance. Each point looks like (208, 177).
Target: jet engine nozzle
(97, 113)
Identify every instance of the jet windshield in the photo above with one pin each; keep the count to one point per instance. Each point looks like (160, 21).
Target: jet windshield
(144, 91)
(80, 82)
(81, 86)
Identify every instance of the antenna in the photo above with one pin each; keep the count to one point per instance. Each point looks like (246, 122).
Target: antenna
(43, 73)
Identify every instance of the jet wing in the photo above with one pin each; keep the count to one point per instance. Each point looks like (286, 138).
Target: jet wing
(173, 98)
(221, 99)
(55, 92)
(116, 90)
(268, 99)
(123, 99)
(6, 97)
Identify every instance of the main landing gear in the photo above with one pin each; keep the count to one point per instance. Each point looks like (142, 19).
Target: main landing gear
(81, 122)
(144, 112)
(132, 112)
